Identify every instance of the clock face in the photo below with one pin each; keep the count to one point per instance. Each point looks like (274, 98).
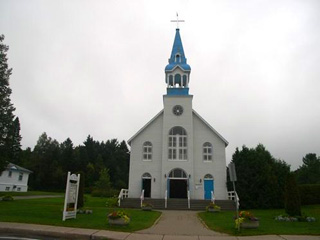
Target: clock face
(177, 110)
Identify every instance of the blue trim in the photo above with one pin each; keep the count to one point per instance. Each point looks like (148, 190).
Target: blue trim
(208, 187)
(177, 91)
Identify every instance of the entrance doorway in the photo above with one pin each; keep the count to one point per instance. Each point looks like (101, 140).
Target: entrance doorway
(178, 188)
(178, 184)
(146, 184)
(208, 186)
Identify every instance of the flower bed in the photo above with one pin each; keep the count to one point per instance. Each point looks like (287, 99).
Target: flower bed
(212, 207)
(286, 218)
(246, 220)
(118, 218)
(146, 206)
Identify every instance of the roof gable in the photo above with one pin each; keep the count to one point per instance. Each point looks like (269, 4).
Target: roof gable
(15, 167)
(145, 126)
(210, 127)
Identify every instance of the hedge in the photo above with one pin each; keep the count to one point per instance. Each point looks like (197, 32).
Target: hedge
(309, 193)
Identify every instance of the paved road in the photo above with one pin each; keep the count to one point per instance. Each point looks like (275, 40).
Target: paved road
(37, 196)
(81, 233)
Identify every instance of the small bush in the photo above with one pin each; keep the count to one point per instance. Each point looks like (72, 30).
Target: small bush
(112, 202)
(7, 198)
(310, 194)
(103, 193)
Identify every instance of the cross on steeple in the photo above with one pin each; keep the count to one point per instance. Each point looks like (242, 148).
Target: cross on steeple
(177, 21)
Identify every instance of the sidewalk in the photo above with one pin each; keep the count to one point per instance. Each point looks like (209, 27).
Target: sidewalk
(180, 223)
(81, 233)
(37, 196)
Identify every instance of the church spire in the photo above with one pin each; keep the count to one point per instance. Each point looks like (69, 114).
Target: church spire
(177, 71)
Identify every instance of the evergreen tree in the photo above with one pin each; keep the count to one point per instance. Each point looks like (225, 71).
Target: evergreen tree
(103, 185)
(81, 190)
(292, 197)
(7, 123)
(14, 144)
(260, 178)
(309, 172)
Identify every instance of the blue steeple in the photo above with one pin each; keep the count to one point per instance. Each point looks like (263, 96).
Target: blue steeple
(177, 71)
(177, 57)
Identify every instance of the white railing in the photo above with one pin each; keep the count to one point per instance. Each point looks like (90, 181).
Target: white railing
(165, 199)
(237, 201)
(188, 199)
(213, 199)
(141, 197)
(123, 194)
(232, 195)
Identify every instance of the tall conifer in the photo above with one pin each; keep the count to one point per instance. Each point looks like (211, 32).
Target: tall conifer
(8, 126)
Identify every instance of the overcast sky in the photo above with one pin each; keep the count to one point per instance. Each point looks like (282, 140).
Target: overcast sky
(97, 67)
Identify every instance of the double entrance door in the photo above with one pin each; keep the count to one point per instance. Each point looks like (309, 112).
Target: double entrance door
(178, 188)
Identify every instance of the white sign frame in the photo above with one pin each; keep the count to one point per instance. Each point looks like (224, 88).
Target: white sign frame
(71, 196)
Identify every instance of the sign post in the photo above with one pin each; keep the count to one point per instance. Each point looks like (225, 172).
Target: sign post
(233, 178)
(71, 197)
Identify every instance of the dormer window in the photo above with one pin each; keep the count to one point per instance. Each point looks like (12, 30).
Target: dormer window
(178, 59)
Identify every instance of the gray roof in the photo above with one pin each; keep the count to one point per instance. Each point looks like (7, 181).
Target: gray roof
(15, 167)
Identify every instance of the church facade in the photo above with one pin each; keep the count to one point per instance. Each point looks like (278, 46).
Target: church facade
(177, 153)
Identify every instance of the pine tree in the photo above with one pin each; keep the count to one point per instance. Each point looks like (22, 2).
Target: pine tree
(6, 108)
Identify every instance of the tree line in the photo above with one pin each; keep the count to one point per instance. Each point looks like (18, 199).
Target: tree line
(50, 161)
(261, 178)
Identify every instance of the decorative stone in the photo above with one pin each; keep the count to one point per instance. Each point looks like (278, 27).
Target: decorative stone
(249, 224)
(118, 221)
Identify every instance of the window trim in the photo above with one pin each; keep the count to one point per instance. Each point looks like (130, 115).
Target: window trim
(205, 152)
(177, 145)
(20, 178)
(147, 145)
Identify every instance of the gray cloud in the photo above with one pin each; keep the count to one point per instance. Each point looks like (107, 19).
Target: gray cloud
(97, 67)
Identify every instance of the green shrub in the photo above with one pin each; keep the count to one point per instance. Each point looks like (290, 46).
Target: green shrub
(292, 197)
(104, 193)
(309, 193)
(7, 198)
(112, 202)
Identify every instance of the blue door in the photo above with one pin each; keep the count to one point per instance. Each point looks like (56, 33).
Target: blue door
(208, 187)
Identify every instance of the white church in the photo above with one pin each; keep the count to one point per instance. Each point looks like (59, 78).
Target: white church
(177, 154)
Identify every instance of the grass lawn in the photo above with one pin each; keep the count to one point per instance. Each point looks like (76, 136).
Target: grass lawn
(223, 222)
(30, 193)
(49, 211)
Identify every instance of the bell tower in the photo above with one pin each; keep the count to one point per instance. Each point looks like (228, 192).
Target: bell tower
(177, 71)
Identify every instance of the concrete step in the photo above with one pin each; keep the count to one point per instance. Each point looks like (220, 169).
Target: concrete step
(177, 204)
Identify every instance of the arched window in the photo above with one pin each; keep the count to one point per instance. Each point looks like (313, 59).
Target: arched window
(177, 144)
(146, 176)
(177, 173)
(147, 151)
(208, 176)
(170, 80)
(184, 80)
(207, 152)
(177, 79)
